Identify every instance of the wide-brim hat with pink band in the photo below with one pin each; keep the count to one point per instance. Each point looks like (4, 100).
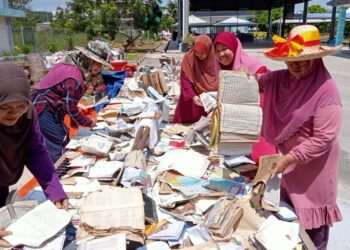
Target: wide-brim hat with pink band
(303, 43)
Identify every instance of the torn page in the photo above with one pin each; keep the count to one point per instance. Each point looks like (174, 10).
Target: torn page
(272, 191)
(38, 225)
(112, 242)
(187, 162)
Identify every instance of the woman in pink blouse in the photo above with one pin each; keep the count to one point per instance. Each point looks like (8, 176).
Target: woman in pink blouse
(302, 117)
(199, 73)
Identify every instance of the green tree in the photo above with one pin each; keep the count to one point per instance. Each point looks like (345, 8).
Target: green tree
(20, 4)
(98, 18)
(166, 22)
(143, 16)
(173, 9)
(261, 17)
(316, 8)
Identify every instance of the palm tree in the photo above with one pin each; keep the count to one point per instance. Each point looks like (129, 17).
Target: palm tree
(172, 8)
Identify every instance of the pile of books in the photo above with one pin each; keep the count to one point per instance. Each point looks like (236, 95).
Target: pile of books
(240, 116)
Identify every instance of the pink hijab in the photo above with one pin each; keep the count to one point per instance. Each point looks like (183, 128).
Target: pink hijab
(241, 59)
(290, 102)
(59, 73)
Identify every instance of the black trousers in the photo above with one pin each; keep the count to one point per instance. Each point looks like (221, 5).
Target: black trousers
(4, 191)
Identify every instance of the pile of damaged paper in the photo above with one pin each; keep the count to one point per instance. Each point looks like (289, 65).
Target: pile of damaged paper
(134, 182)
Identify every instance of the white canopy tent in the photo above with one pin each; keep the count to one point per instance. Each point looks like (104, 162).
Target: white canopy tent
(235, 21)
(195, 21)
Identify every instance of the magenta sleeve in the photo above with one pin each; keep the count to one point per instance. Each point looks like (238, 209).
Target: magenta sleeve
(39, 163)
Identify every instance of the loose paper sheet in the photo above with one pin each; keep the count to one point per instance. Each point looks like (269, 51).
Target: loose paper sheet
(38, 225)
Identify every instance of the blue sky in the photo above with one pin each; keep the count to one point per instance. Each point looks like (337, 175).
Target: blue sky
(51, 5)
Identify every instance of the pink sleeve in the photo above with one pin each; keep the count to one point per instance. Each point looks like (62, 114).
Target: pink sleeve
(187, 90)
(326, 122)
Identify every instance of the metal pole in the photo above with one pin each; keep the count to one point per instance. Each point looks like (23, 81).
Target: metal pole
(305, 11)
(331, 34)
(185, 18)
(268, 34)
(284, 18)
(179, 21)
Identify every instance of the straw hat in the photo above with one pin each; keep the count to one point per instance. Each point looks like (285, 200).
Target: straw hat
(303, 44)
(97, 51)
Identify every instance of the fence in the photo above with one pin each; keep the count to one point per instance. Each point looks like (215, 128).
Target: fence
(30, 39)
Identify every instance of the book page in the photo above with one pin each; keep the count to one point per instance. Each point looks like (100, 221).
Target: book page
(114, 207)
(208, 101)
(38, 225)
(237, 88)
(272, 191)
(241, 119)
(112, 242)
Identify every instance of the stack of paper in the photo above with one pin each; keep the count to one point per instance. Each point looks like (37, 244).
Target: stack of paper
(223, 219)
(240, 114)
(114, 210)
(170, 231)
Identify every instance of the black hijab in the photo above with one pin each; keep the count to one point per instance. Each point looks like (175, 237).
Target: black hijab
(14, 86)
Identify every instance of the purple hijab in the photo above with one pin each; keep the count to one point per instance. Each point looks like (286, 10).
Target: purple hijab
(58, 74)
(241, 59)
(290, 102)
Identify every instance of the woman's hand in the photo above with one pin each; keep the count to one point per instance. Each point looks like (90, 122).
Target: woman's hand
(4, 243)
(93, 124)
(282, 164)
(62, 204)
(196, 100)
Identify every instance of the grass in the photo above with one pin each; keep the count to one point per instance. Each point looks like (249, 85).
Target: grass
(133, 56)
(52, 39)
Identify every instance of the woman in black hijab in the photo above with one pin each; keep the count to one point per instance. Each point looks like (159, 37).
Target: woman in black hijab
(21, 143)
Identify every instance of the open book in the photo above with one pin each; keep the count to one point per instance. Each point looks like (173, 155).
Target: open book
(114, 210)
(239, 112)
(38, 225)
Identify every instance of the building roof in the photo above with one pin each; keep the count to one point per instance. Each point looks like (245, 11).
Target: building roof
(239, 5)
(213, 17)
(339, 3)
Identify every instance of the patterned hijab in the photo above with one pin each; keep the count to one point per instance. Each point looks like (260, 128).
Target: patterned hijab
(14, 86)
(203, 74)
